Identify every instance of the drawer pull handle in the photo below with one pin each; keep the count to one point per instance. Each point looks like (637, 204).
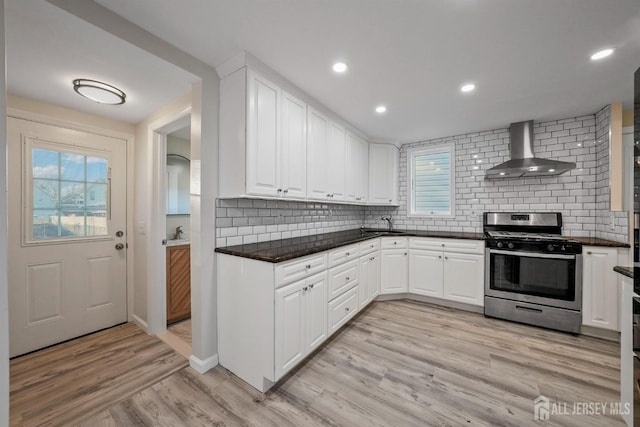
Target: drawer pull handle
(347, 253)
(589, 253)
(372, 258)
(308, 266)
(346, 278)
(311, 286)
(346, 309)
(371, 246)
(305, 289)
(520, 307)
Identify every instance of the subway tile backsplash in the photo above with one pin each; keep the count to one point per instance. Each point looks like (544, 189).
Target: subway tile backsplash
(582, 195)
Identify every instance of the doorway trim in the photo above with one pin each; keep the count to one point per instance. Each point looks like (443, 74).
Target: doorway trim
(156, 252)
(128, 138)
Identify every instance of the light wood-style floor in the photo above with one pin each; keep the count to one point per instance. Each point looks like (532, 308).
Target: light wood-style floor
(64, 383)
(182, 330)
(399, 363)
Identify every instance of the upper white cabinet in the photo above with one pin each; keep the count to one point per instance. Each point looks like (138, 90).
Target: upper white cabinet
(274, 145)
(600, 288)
(293, 170)
(263, 130)
(383, 174)
(262, 139)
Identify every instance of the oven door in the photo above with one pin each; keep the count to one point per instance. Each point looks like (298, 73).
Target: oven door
(548, 279)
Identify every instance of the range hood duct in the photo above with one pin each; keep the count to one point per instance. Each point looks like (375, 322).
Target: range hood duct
(523, 163)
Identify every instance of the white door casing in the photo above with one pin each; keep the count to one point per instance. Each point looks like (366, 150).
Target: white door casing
(66, 276)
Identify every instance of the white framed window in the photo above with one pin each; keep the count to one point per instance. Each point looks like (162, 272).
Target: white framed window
(432, 181)
(66, 192)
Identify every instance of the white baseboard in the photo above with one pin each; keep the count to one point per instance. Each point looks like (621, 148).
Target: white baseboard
(202, 366)
(431, 300)
(141, 323)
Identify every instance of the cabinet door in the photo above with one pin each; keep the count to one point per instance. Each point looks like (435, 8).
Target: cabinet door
(352, 178)
(362, 174)
(178, 283)
(600, 288)
(364, 296)
(336, 161)
(262, 137)
(374, 276)
(290, 343)
(394, 271)
(316, 311)
(464, 278)
(293, 171)
(317, 185)
(426, 273)
(381, 174)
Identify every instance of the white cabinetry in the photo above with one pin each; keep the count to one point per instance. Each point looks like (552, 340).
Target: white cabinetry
(447, 268)
(317, 155)
(600, 287)
(300, 321)
(357, 169)
(293, 154)
(383, 174)
(369, 286)
(394, 266)
(336, 161)
(262, 139)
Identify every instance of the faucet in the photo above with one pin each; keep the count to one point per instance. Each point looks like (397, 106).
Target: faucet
(179, 232)
(389, 221)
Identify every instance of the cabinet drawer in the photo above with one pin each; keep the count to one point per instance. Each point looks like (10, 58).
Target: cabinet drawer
(449, 245)
(342, 309)
(299, 269)
(343, 254)
(342, 278)
(369, 246)
(394, 243)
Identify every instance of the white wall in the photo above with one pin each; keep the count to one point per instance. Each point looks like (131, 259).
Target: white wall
(4, 309)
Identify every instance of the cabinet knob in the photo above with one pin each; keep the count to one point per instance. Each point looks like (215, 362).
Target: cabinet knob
(279, 190)
(589, 253)
(440, 256)
(443, 245)
(346, 278)
(446, 257)
(347, 253)
(308, 266)
(405, 253)
(311, 286)
(372, 258)
(286, 191)
(395, 243)
(305, 289)
(346, 309)
(389, 200)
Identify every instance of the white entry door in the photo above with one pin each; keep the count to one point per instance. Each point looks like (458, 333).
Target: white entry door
(67, 234)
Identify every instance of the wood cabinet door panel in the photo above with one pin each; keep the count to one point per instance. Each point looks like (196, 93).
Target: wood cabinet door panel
(178, 283)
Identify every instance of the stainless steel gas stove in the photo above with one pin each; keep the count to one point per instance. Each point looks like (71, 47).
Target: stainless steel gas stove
(533, 275)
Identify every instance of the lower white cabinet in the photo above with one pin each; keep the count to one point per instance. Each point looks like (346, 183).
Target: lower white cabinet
(394, 271)
(464, 278)
(342, 309)
(300, 321)
(426, 273)
(600, 287)
(449, 275)
(369, 286)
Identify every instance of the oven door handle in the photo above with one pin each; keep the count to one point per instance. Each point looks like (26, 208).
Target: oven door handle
(532, 254)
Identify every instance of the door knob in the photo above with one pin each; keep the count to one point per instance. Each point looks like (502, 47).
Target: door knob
(119, 246)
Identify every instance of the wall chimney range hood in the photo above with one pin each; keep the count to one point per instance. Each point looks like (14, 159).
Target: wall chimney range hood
(523, 163)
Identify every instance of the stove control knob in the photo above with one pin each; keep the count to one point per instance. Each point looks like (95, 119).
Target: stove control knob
(510, 245)
(499, 244)
(550, 247)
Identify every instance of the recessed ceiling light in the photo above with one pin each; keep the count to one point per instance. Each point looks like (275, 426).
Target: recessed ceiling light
(340, 67)
(602, 54)
(381, 109)
(469, 87)
(99, 92)
(552, 170)
(503, 173)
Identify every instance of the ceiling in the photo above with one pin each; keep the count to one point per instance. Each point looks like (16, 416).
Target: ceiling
(528, 58)
(47, 48)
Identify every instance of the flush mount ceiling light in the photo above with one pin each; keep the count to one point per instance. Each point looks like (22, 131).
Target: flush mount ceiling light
(340, 67)
(99, 92)
(602, 54)
(381, 109)
(469, 87)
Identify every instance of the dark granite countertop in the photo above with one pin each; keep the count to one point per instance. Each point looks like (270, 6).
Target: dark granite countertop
(592, 241)
(625, 271)
(287, 249)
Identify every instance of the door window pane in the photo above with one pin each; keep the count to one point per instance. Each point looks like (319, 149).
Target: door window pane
(61, 185)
